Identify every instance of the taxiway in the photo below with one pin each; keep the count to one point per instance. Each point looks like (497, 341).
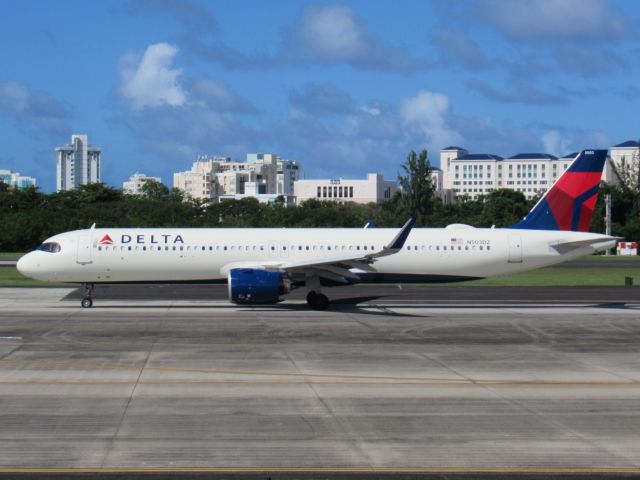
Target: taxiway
(382, 384)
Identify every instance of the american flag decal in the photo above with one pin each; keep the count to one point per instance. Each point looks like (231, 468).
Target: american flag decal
(457, 241)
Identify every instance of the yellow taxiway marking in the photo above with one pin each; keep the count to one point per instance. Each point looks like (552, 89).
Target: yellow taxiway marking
(355, 470)
(303, 378)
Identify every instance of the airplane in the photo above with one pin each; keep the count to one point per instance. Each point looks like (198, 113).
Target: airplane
(261, 265)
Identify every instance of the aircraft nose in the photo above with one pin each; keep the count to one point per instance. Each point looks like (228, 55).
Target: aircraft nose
(27, 265)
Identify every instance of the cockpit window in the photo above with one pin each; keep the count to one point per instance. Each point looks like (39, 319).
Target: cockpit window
(50, 247)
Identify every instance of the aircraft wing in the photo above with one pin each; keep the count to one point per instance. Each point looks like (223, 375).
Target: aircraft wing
(335, 268)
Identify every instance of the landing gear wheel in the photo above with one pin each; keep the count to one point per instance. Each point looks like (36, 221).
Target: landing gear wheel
(310, 298)
(319, 301)
(87, 302)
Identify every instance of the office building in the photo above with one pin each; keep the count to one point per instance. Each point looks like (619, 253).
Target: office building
(134, 185)
(372, 189)
(77, 164)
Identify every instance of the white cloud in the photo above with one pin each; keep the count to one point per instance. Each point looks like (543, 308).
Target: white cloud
(335, 33)
(428, 113)
(152, 82)
(218, 96)
(554, 143)
(33, 109)
(557, 19)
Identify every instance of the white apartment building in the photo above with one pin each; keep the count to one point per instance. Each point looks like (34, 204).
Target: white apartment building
(133, 186)
(372, 189)
(264, 176)
(77, 164)
(15, 180)
(625, 155)
(473, 175)
(530, 173)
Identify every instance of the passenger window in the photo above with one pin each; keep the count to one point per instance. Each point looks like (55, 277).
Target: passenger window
(488, 247)
(415, 247)
(159, 248)
(144, 248)
(99, 248)
(480, 247)
(225, 247)
(129, 248)
(437, 247)
(181, 249)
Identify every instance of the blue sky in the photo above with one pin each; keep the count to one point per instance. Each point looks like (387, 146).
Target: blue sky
(344, 88)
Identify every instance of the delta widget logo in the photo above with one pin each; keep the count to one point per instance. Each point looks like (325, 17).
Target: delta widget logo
(106, 240)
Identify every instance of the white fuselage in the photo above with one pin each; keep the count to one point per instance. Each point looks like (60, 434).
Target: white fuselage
(200, 255)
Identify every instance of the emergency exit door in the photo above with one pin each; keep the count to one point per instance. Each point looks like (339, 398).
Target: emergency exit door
(515, 248)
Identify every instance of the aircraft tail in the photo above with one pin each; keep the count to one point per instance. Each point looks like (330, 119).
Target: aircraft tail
(569, 203)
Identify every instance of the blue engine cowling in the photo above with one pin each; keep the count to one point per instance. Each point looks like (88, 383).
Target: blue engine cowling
(250, 286)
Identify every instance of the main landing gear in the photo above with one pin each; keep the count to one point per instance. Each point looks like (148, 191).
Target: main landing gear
(315, 298)
(87, 302)
(317, 301)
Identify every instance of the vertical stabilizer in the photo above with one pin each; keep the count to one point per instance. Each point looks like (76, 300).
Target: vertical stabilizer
(569, 203)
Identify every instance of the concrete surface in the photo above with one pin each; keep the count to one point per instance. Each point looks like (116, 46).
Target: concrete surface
(158, 384)
(382, 293)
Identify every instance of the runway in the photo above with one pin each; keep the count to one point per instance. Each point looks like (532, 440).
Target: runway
(387, 384)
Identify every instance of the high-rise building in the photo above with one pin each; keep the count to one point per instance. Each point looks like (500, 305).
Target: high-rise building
(134, 185)
(15, 180)
(77, 164)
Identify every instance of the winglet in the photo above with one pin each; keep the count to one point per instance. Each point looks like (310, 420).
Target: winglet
(398, 242)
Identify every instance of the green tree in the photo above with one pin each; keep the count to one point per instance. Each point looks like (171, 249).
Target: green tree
(417, 186)
(154, 189)
(503, 207)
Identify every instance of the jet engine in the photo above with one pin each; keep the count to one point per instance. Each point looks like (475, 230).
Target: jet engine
(251, 286)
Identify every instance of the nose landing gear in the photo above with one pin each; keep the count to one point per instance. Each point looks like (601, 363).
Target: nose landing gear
(87, 301)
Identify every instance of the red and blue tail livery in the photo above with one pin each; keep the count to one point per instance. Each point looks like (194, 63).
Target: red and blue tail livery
(569, 203)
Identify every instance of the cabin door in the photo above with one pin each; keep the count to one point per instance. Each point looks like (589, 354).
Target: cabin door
(83, 254)
(515, 248)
